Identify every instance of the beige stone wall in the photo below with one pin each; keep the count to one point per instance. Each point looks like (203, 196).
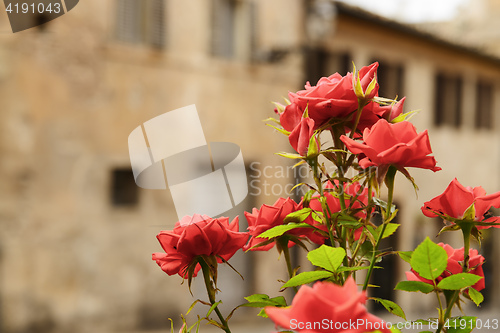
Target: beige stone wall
(70, 96)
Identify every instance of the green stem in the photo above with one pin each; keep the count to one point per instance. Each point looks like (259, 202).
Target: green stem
(448, 310)
(389, 180)
(211, 294)
(341, 172)
(466, 231)
(324, 208)
(361, 105)
(283, 244)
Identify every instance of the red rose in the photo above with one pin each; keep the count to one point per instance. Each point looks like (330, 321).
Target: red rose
(291, 116)
(197, 236)
(301, 135)
(455, 257)
(327, 307)
(267, 217)
(455, 200)
(332, 97)
(393, 144)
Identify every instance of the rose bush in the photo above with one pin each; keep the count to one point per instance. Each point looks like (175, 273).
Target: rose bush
(371, 140)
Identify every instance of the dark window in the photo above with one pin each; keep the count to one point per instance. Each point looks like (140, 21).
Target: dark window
(141, 22)
(124, 191)
(390, 79)
(385, 276)
(448, 100)
(233, 29)
(487, 250)
(484, 105)
(320, 63)
(223, 28)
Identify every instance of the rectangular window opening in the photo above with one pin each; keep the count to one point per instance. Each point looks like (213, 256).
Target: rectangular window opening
(141, 22)
(124, 191)
(448, 100)
(484, 105)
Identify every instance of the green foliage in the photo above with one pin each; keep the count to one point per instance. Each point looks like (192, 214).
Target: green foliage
(390, 228)
(281, 229)
(391, 307)
(298, 216)
(463, 324)
(458, 281)
(476, 296)
(405, 255)
(414, 286)
(327, 257)
(346, 220)
(261, 301)
(429, 260)
(307, 277)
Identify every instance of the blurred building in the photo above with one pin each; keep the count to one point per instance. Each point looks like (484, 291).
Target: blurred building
(77, 234)
(476, 25)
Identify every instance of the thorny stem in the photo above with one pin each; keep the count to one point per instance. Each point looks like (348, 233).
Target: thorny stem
(211, 294)
(389, 180)
(341, 174)
(319, 184)
(361, 105)
(286, 253)
(466, 231)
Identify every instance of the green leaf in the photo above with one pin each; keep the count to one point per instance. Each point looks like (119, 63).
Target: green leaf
(429, 260)
(260, 301)
(413, 286)
(306, 277)
(463, 324)
(346, 220)
(327, 257)
(458, 281)
(263, 314)
(349, 269)
(476, 296)
(212, 308)
(382, 204)
(281, 229)
(290, 155)
(257, 298)
(389, 229)
(405, 255)
(391, 307)
(298, 216)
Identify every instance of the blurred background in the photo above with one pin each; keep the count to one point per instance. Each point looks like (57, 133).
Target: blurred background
(76, 233)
